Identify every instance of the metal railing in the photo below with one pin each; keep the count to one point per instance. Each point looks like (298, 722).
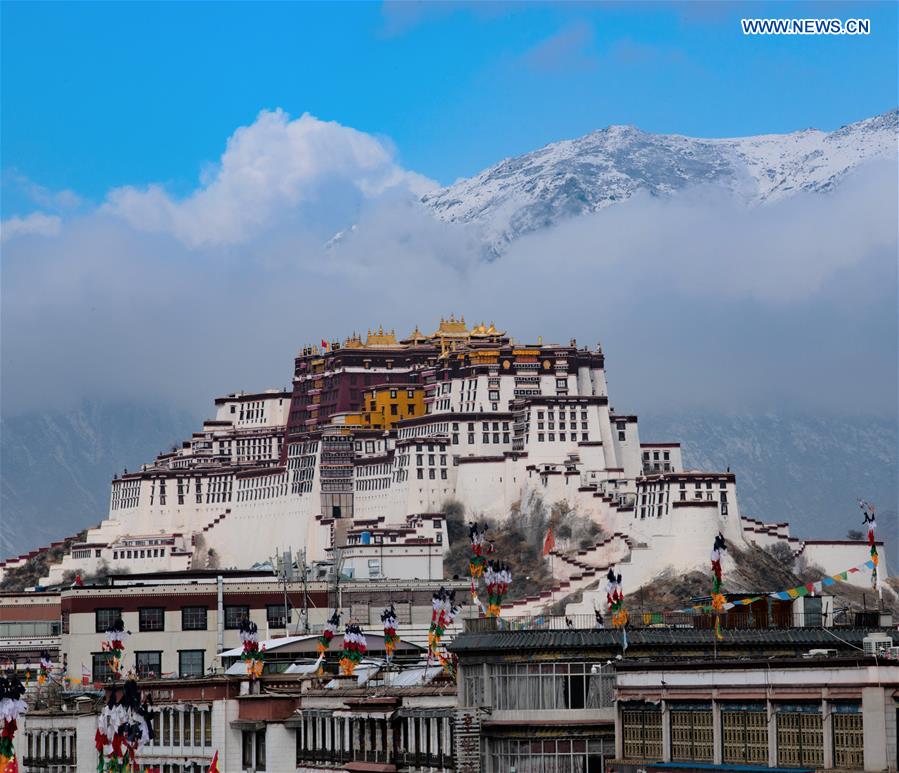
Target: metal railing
(735, 620)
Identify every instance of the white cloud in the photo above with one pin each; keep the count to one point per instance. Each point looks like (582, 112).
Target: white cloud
(696, 299)
(35, 224)
(49, 200)
(274, 170)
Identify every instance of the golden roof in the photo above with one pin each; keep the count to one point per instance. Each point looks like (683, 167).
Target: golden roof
(451, 327)
(381, 338)
(353, 342)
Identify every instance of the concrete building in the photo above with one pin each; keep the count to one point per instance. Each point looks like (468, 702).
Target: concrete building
(384, 719)
(574, 699)
(179, 623)
(812, 713)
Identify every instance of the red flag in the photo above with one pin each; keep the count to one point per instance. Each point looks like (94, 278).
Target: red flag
(324, 344)
(550, 542)
(77, 582)
(214, 768)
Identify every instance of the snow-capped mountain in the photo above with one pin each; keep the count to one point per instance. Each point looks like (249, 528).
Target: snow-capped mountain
(573, 177)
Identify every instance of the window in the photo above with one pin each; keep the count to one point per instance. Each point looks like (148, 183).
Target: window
(246, 756)
(104, 619)
(745, 734)
(800, 736)
(277, 616)
(190, 663)
(233, 616)
(101, 669)
(848, 737)
(691, 732)
(151, 619)
(374, 567)
(148, 664)
(641, 728)
(193, 618)
(252, 755)
(621, 436)
(494, 395)
(260, 750)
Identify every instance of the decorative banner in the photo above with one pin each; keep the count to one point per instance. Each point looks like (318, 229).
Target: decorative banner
(214, 767)
(478, 536)
(718, 600)
(11, 708)
(116, 636)
(388, 618)
(497, 578)
(124, 726)
(354, 648)
(45, 668)
(615, 599)
(252, 655)
(785, 595)
(550, 542)
(324, 641)
(871, 524)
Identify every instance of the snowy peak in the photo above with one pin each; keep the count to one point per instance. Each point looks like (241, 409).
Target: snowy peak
(573, 177)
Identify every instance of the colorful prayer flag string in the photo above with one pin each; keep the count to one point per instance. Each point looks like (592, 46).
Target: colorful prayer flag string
(251, 655)
(45, 668)
(114, 644)
(718, 600)
(388, 618)
(478, 536)
(443, 614)
(497, 578)
(354, 648)
(615, 599)
(870, 522)
(11, 708)
(328, 633)
(123, 727)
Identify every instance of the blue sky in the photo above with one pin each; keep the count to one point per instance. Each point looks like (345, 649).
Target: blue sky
(97, 96)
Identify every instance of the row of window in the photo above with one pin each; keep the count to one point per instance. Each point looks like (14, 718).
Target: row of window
(551, 437)
(562, 755)
(148, 664)
(799, 734)
(182, 727)
(541, 687)
(192, 618)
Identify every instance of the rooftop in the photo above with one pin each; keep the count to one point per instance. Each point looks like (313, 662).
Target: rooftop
(663, 639)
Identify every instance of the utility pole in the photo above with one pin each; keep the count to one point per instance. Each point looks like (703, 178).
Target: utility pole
(301, 562)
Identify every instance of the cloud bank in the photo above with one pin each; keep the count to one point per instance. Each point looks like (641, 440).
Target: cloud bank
(697, 300)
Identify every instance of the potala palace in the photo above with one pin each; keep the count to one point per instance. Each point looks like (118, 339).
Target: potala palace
(379, 433)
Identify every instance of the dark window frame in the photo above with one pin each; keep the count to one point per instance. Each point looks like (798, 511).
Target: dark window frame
(146, 625)
(103, 627)
(181, 670)
(148, 673)
(232, 623)
(187, 625)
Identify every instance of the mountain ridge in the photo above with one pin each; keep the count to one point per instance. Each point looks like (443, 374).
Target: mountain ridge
(564, 179)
